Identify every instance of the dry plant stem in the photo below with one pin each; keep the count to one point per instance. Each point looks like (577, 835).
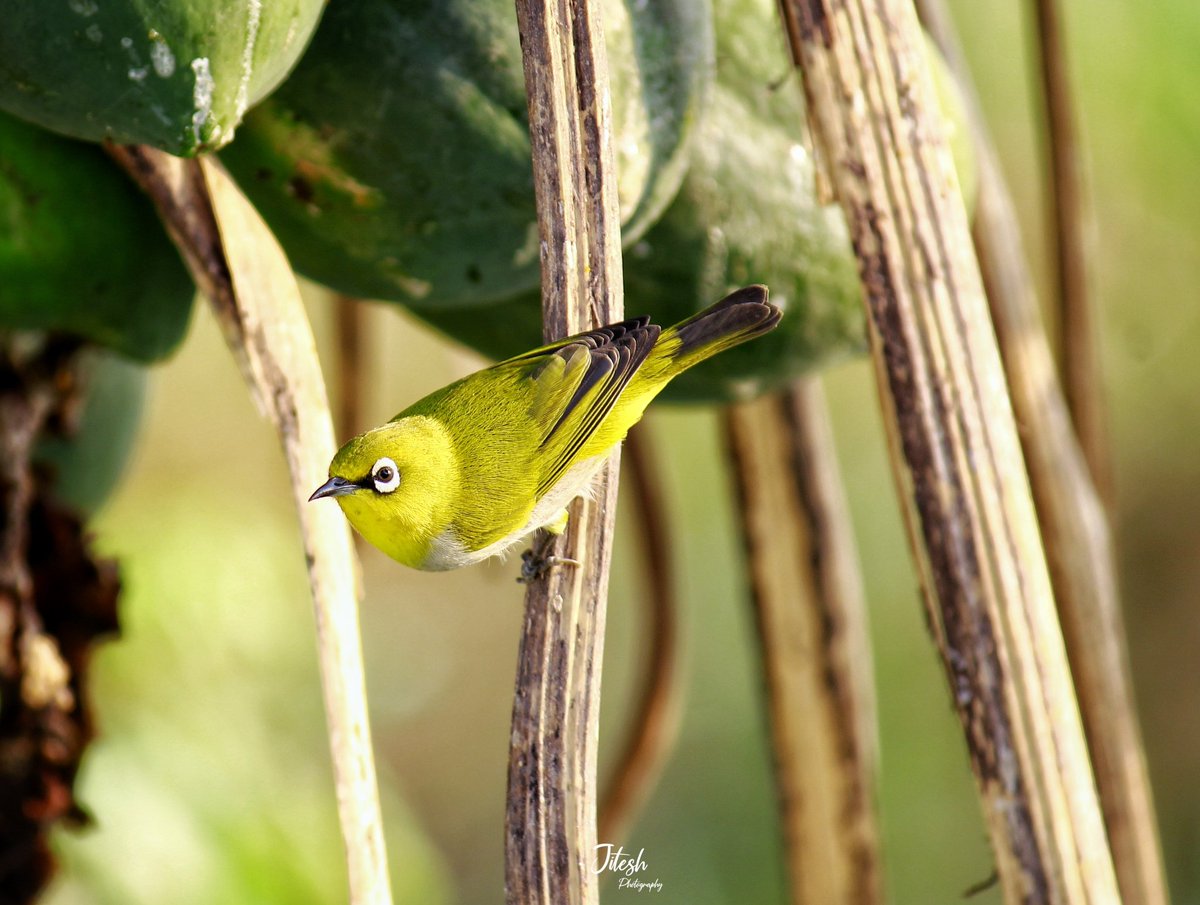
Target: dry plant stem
(348, 332)
(1079, 550)
(551, 812)
(1083, 377)
(956, 453)
(816, 651)
(1081, 559)
(349, 356)
(1074, 527)
(656, 723)
(239, 266)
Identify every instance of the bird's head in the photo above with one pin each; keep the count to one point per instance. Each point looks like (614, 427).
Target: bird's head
(397, 485)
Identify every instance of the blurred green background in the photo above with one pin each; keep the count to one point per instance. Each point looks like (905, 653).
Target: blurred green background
(210, 781)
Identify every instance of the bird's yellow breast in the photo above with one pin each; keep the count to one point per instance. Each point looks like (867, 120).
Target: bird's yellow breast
(374, 523)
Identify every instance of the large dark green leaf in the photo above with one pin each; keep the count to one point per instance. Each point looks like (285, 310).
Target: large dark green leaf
(395, 162)
(178, 75)
(81, 249)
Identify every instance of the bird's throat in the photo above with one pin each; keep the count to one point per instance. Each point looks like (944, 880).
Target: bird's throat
(406, 543)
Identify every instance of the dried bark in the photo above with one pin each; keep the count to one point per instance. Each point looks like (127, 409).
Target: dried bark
(956, 452)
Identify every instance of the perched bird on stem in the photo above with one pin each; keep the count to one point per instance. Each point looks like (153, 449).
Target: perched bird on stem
(473, 468)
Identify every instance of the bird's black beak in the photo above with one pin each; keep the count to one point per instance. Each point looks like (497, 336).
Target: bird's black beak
(334, 487)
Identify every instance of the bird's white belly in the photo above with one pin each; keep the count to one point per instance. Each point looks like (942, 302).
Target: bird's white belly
(448, 552)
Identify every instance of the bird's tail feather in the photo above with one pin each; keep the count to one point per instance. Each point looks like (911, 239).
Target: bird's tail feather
(740, 316)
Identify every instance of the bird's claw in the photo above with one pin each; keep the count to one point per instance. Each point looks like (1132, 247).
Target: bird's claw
(535, 563)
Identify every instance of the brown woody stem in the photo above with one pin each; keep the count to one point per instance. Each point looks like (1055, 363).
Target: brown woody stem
(1083, 376)
(551, 812)
(816, 652)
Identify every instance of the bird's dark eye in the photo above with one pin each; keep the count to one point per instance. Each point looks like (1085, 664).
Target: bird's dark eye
(385, 475)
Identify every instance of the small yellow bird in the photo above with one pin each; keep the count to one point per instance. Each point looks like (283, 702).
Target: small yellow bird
(476, 466)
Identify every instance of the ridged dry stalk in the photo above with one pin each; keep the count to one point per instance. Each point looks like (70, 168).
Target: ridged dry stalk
(816, 651)
(551, 811)
(1074, 527)
(239, 266)
(956, 454)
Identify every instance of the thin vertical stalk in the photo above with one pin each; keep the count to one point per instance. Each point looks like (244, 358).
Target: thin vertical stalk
(656, 719)
(956, 454)
(1079, 338)
(349, 354)
(551, 811)
(1072, 517)
(816, 651)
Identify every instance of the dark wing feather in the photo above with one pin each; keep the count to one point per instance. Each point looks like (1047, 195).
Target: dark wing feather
(614, 354)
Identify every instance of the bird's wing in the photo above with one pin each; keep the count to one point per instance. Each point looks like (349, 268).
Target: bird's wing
(577, 381)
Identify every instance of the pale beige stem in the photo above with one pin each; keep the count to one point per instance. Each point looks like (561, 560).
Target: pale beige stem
(239, 266)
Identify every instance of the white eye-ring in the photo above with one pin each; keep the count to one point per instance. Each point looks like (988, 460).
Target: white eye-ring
(385, 475)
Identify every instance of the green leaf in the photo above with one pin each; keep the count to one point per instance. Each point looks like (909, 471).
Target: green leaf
(395, 162)
(82, 251)
(177, 75)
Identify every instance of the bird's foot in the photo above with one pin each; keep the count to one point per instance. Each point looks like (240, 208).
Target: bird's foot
(537, 561)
